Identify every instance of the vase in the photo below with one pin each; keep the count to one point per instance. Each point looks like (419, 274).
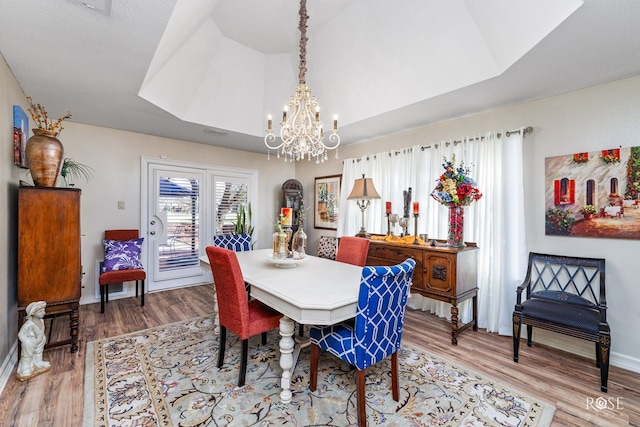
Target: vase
(44, 154)
(279, 245)
(299, 243)
(455, 238)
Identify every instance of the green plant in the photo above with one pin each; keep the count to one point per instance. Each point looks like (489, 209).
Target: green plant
(588, 209)
(243, 222)
(559, 221)
(72, 170)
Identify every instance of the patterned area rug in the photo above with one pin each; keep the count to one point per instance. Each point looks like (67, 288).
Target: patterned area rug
(167, 376)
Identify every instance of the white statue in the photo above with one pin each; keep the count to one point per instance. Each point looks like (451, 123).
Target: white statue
(32, 339)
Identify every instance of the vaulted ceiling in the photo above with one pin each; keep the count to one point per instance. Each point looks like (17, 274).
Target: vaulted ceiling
(210, 71)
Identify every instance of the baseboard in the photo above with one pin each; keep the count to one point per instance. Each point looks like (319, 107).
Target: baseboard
(8, 365)
(583, 348)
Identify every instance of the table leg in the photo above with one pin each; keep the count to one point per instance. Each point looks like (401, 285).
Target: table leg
(287, 343)
(74, 323)
(475, 312)
(454, 324)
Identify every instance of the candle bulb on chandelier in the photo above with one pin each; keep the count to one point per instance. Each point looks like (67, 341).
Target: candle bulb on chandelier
(416, 208)
(269, 122)
(335, 122)
(284, 114)
(317, 114)
(388, 208)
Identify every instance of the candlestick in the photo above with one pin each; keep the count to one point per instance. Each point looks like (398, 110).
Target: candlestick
(415, 226)
(388, 208)
(416, 208)
(388, 222)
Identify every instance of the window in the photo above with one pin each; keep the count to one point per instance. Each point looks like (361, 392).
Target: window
(564, 191)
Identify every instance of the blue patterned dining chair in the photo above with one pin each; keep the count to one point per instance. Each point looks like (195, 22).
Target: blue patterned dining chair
(377, 331)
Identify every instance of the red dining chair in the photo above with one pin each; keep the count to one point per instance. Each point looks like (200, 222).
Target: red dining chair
(353, 250)
(121, 263)
(243, 317)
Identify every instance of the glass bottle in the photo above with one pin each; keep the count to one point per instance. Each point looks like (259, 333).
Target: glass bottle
(279, 243)
(299, 242)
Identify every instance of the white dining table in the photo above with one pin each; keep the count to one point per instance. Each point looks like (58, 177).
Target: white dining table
(313, 291)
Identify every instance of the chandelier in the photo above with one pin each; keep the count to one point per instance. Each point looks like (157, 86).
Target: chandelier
(301, 133)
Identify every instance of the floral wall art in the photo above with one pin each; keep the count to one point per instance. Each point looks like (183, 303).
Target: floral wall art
(327, 194)
(594, 194)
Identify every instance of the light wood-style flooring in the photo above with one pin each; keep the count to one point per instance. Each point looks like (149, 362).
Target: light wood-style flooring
(570, 383)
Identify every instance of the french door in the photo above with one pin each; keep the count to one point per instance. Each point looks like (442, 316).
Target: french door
(174, 234)
(185, 204)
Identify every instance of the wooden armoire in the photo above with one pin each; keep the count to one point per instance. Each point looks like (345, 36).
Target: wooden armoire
(49, 266)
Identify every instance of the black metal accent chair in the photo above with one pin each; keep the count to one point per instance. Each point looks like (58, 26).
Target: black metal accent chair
(566, 295)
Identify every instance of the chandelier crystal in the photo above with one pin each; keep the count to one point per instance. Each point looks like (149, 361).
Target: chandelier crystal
(301, 133)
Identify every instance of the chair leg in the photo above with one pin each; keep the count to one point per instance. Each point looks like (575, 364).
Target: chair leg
(597, 354)
(313, 374)
(517, 324)
(605, 347)
(264, 338)
(395, 389)
(137, 289)
(362, 410)
(243, 362)
(529, 335)
(223, 342)
(106, 293)
(141, 292)
(102, 298)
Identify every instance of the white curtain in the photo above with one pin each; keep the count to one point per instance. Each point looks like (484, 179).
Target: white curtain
(495, 222)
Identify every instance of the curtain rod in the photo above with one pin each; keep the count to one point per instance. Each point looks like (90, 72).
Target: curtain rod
(525, 131)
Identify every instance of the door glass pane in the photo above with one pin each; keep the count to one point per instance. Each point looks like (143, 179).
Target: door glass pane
(178, 199)
(231, 194)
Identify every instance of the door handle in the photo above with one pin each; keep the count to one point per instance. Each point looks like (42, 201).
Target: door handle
(153, 222)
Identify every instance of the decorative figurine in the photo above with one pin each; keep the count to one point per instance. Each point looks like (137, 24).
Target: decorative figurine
(407, 202)
(32, 339)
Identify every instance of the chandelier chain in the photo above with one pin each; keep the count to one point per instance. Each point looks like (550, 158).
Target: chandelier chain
(303, 42)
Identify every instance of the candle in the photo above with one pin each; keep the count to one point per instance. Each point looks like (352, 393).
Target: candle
(388, 204)
(416, 208)
(335, 122)
(317, 114)
(287, 216)
(284, 113)
(269, 122)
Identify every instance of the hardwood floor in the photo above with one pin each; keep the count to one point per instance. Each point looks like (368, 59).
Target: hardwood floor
(571, 383)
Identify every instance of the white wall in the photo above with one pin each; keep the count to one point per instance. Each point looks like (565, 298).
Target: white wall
(592, 119)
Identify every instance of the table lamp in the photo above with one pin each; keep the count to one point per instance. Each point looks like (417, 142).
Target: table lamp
(363, 191)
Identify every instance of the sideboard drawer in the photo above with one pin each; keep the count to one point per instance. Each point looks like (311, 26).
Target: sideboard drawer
(392, 255)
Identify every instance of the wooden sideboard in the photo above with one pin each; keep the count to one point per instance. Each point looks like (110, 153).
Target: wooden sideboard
(441, 273)
(49, 267)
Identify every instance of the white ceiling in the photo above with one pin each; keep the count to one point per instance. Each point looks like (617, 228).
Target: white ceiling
(383, 67)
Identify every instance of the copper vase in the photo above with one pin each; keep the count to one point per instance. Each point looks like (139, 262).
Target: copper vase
(44, 154)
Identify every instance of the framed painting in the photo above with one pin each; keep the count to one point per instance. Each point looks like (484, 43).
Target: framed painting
(594, 194)
(20, 136)
(327, 196)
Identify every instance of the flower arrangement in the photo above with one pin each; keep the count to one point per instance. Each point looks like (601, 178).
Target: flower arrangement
(610, 158)
(588, 210)
(455, 187)
(42, 119)
(581, 157)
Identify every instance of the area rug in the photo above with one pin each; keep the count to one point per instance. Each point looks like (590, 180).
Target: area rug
(167, 376)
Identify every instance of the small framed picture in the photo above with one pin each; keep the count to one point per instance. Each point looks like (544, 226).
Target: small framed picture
(327, 196)
(20, 136)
